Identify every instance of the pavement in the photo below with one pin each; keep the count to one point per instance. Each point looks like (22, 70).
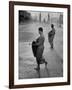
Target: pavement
(54, 57)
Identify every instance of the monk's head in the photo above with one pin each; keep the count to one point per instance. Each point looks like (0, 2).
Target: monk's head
(52, 25)
(40, 30)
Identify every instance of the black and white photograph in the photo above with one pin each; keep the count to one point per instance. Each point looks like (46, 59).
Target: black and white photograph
(39, 44)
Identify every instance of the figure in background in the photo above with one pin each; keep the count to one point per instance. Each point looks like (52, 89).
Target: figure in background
(38, 48)
(51, 36)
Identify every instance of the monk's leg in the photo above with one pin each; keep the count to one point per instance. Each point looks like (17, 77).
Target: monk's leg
(38, 64)
(52, 44)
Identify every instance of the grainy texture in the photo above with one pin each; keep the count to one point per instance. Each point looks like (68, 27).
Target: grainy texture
(28, 31)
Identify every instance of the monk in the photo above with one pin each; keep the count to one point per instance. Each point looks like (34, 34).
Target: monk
(39, 48)
(51, 36)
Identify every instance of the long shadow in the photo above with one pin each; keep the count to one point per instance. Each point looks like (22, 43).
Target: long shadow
(47, 71)
(38, 72)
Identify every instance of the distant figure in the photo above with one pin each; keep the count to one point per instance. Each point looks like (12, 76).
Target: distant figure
(38, 48)
(51, 35)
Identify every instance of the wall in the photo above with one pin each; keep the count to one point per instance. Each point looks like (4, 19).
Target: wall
(4, 44)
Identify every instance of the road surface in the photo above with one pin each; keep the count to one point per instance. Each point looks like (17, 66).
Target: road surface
(27, 62)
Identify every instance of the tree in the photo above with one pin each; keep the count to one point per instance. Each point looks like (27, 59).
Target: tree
(48, 18)
(24, 16)
(60, 20)
(40, 17)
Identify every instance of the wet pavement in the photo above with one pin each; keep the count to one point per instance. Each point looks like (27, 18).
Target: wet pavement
(54, 57)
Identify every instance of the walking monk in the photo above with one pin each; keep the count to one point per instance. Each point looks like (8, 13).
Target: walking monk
(38, 48)
(51, 35)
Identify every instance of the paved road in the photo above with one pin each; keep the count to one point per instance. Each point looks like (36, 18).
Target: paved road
(27, 62)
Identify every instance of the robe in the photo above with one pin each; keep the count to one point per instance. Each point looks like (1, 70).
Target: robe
(38, 48)
(51, 35)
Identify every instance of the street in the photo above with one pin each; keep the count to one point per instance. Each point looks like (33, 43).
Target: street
(54, 57)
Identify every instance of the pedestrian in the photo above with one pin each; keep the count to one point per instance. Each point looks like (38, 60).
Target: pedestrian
(39, 43)
(51, 36)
